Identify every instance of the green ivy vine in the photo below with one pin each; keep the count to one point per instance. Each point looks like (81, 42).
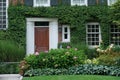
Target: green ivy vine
(75, 16)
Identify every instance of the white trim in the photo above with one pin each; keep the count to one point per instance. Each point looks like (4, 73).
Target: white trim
(53, 33)
(100, 38)
(7, 4)
(68, 33)
(110, 3)
(37, 5)
(79, 4)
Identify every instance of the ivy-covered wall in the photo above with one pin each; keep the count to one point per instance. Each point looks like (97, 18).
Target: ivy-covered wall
(75, 16)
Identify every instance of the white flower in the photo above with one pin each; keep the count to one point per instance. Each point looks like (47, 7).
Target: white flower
(111, 46)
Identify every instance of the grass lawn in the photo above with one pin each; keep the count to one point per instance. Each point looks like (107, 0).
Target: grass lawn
(72, 77)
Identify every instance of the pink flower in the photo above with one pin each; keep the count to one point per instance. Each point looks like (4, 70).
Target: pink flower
(46, 51)
(68, 47)
(36, 53)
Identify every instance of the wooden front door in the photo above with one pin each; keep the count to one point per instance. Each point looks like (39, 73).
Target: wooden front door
(41, 39)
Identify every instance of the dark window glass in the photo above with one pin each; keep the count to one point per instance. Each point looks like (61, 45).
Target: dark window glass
(41, 23)
(65, 36)
(66, 30)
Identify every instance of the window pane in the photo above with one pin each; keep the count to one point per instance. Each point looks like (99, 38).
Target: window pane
(93, 34)
(41, 2)
(65, 29)
(3, 14)
(115, 35)
(79, 2)
(65, 36)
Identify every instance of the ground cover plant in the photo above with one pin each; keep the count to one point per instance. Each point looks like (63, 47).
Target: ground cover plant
(86, 69)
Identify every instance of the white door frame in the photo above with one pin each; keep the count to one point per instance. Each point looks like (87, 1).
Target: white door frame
(30, 39)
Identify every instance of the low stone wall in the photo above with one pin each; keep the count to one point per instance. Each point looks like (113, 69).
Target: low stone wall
(10, 77)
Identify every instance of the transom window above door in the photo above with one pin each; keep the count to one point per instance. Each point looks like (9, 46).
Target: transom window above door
(79, 2)
(110, 2)
(44, 3)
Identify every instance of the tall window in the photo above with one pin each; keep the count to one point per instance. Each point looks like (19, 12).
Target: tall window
(65, 33)
(93, 35)
(41, 3)
(3, 14)
(114, 35)
(79, 2)
(110, 2)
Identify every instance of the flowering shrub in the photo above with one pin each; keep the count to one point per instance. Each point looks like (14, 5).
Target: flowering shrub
(58, 58)
(109, 56)
(92, 61)
(106, 51)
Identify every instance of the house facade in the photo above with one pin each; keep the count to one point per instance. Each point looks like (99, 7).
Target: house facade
(43, 33)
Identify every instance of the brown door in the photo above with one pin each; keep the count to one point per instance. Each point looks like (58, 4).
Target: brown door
(41, 39)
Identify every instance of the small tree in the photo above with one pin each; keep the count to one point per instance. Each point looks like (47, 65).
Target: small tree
(116, 13)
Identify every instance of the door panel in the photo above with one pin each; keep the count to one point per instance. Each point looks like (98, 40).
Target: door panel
(41, 39)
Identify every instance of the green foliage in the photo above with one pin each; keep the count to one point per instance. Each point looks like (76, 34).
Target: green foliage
(116, 12)
(116, 49)
(78, 45)
(91, 53)
(9, 68)
(109, 56)
(9, 51)
(58, 58)
(77, 70)
(75, 16)
(109, 59)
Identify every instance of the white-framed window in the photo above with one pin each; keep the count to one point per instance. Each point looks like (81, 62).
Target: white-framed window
(44, 3)
(79, 2)
(110, 2)
(114, 35)
(93, 34)
(65, 33)
(3, 14)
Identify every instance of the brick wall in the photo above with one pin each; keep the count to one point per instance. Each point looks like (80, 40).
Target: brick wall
(15, 2)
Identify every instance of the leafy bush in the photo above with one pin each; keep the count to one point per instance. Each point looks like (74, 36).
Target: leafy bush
(9, 68)
(92, 61)
(58, 58)
(109, 56)
(78, 45)
(77, 70)
(109, 59)
(116, 49)
(91, 52)
(9, 51)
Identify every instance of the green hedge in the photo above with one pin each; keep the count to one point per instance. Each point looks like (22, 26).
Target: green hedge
(10, 51)
(75, 16)
(9, 67)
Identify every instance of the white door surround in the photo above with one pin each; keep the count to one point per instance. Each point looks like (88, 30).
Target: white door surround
(30, 38)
